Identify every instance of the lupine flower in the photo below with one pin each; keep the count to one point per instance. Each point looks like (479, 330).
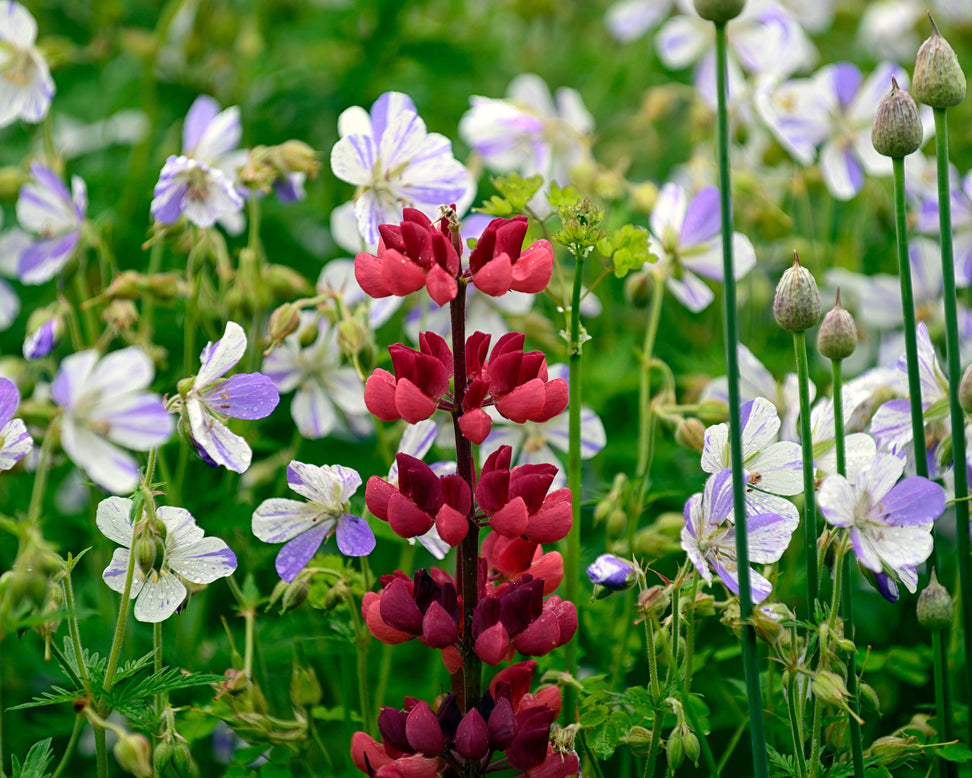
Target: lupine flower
(708, 537)
(303, 526)
(14, 440)
(424, 606)
(773, 469)
(890, 520)
(210, 399)
(54, 215)
(328, 396)
(508, 559)
(26, 86)
(685, 237)
(498, 263)
(104, 407)
(181, 554)
(388, 155)
(200, 182)
(420, 380)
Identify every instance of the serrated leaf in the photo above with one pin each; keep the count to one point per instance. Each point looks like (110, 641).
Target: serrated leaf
(495, 206)
(953, 752)
(640, 700)
(629, 249)
(518, 190)
(55, 696)
(36, 762)
(593, 717)
(560, 197)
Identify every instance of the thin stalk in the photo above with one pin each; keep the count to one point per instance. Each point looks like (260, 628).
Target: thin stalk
(644, 386)
(157, 663)
(361, 637)
(796, 723)
(809, 471)
(120, 624)
(953, 356)
(73, 630)
(655, 687)
(40, 475)
(69, 749)
(572, 557)
(750, 661)
(847, 596)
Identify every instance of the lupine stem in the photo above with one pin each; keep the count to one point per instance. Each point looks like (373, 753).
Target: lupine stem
(750, 662)
(806, 441)
(847, 601)
(957, 415)
(572, 559)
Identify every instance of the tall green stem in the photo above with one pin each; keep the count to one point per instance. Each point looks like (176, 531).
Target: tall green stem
(809, 471)
(74, 631)
(750, 661)
(952, 344)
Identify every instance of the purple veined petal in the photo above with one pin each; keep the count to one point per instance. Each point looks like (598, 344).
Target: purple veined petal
(294, 556)
(763, 502)
(846, 80)
(40, 342)
(418, 438)
(702, 219)
(290, 189)
(385, 109)
(354, 537)
(79, 197)
(628, 20)
(837, 500)
(779, 469)
(891, 423)
(571, 109)
(329, 485)
(313, 412)
(841, 171)
(717, 497)
(121, 372)
(706, 259)
(529, 90)
(432, 543)
(690, 291)
(769, 536)
(893, 547)
(279, 519)
(728, 571)
(161, 594)
(715, 448)
(877, 478)
(170, 190)
(372, 209)
(18, 28)
(690, 546)
(593, 435)
(15, 445)
(114, 519)
(203, 562)
(914, 500)
(44, 259)
(9, 305)
(72, 377)
(28, 97)
(283, 365)
(136, 421)
(202, 111)
(242, 396)
(107, 465)
(215, 439)
(217, 201)
(353, 160)
(887, 586)
(217, 358)
(337, 276)
(114, 575)
(44, 205)
(962, 246)
(668, 215)
(502, 435)
(9, 400)
(220, 136)
(760, 425)
(681, 41)
(930, 373)
(926, 269)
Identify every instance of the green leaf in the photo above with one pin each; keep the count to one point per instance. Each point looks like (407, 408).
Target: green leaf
(36, 762)
(593, 717)
(518, 190)
(953, 752)
(55, 696)
(628, 249)
(496, 206)
(560, 197)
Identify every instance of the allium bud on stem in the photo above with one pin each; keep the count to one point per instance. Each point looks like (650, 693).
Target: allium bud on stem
(939, 80)
(897, 130)
(797, 302)
(837, 336)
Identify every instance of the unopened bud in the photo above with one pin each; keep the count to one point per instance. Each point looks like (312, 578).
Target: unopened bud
(939, 80)
(611, 573)
(639, 739)
(837, 336)
(120, 315)
(146, 554)
(617, 520)
(830, 688)
(719, 11)
(867, 694)
(283, 321)
(837, 735)
(653, 601)
(297, 157)
(286, 283)
(692, 746)
(305, 689)
(165, 287)
(675, 749)
(892, 751)
(897, 130)
(797, 302)
(44, 331)
(133, 753)
(712, 411)
(965, 390)
(126, 286)
(935, 607)
(690, 433)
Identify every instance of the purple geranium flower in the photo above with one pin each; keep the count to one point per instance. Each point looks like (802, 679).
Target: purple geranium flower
(890, 521)
(611, 573)
(26, 86)
(708, 536)
(42, 340)
(104, 407)
(200, 182)
(303, 526)
(47, 209)
(685, 238)
(212, 399)
(14, 440)
(182, 553)
(396, 164)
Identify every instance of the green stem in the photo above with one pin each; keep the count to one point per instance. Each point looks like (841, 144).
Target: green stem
(690, 633)
(157, 645)
(957, 416)
(809, 471)
(73, 630)
(655, 687)
(814, 770)
(101, 752)
(40, 475)
(750, 661)
(793, 699)
(362, 638)
(72, 742)
(122, 621)
(572, 557)
(644, 387)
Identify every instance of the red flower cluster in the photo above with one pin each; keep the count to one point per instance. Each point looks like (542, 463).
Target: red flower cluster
(498, 264)
(416, 741)
(508, 559)
(420, 380)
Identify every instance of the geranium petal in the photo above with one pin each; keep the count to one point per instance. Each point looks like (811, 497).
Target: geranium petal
(243, 396)
(107, 465)
(279, 519)
(354, 536)
(914, 500)
(837, 501)
(294, 556)
(219, 357)
(202, 562)
(161, 594)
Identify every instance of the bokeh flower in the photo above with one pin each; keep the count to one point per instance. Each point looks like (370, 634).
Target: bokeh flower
(15, 442)
(54, 215)
(26, 86)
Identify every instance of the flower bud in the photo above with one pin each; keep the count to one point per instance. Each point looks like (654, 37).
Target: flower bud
(965, 390)
(653, 601)
(44, 331)
(797, 302)
(305, 689)
(935, 607)
(611, 573)
(719, 10)
(892, 751)
(146, 553)
(126, 286)
(939, 80)
(897, 130)
(296, 156)
(165, 287)
(120, 315)
(692, 746)
(675, 749)
(285, 282)
(837, 336)
(690, 433)
(639, 740)
(283, 321)
(837, 735)
(830, 688)
(133, 753)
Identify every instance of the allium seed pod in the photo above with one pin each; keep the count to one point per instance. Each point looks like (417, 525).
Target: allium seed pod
(837, 336)
(935, 606)
(897, 130)
(939, 80)
(719, 10)
(965, 390)
(797, 302)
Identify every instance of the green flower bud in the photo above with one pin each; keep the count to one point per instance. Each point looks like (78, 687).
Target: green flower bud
(837, 735)
(639, 739)
(675, 749)
(182, 764)
(892, 751)
(120, 315)
(797, 302)
(690, 433)
(126, 286)
(830, 688)
(162, 756)
(146, 554)
(133, 753)
(837, 336)
(285, 282)
(965, 390)
(897, 130)
(165, 287)
(938, 80)
(283, 321)
(935, 607)
(296, 156)
(692, 746)
(305, 689)
(719, 10)
(653, 601)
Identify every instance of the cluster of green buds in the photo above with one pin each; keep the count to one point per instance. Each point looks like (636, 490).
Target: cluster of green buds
(682, 741)
(269, 165)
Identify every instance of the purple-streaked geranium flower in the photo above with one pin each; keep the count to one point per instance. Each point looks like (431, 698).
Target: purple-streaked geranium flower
(685, 237)
(859, 447)
(772, 468)
(708, 537)
(330, 396)
(395, 164)
(212, 399)
(612, 573)
(54, 215)
(105, 410)
(15, 442)
(303, 526)
(890, 520)
(200, 182)
(26, 86)
(12, 243)
(182, 553)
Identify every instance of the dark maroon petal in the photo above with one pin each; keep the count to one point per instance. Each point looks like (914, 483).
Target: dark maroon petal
(472, 736)
(455, 491)
(439, 629)
(529, 746)
(391, 238)
(521, 605)
(423, 731)
(518, 676)
(398, 609)
(501, 724)
(486, 615)
(391, 725)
